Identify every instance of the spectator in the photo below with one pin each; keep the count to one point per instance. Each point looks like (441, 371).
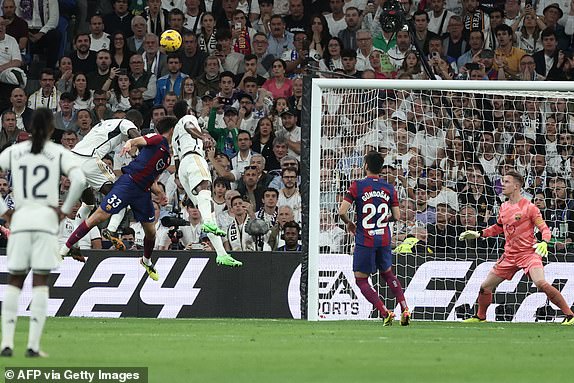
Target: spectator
(289, 195)
(475, 18)
(439, 18)
(64, 83)
(437, 192)
(479, 194)
(209, 81)
(83, 97)
(206, 39)
(423, 35)
(279, 85)
(292, 133)
(119, 51)
(172, 81)
(69, 139)
(336, 19)
(507, 57)
(430, 141)
(47, 96)
(93, 240)
(279, 39)
(560, 216)
(15, 25)
(128, 238)
(120, 94)
(352, 25)
(65, 118)
(284, 215)
(237, 237)
(264, 59)
(23, 113)
(250, 187)
(226, 217)
(98, 38)
(135, 43)
(230, 60)
(423, 212)
(156, 18)
(332, 56)
(412, 66)
(9, 133)
(83, 60)
(547, 58)
(552, 13)
(192, 58)
(84, 122)
(224, 132)
(529, 35)
(141, 79)
(155, 62)
(454, 44)
(468, 220)
(11, 60)
(193, 13)
(176, 19)
(268, 211)
(43, 34)
(169, 101)
(292, 234)
(242, 34)
(100, 108)
(120, 19)
(476, 44)
(318, 34)
(442, 234)
(263, 137)
(189, 95)
(397, 54)
(296, 58)
(261, 25)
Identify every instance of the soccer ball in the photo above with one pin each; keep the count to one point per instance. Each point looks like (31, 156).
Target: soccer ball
(170, 40)
(257, 226)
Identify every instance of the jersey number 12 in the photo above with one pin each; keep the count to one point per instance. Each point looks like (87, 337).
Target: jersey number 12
(32, 182)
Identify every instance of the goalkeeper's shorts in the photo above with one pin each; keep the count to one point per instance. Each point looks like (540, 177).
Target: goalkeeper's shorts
(507, 266)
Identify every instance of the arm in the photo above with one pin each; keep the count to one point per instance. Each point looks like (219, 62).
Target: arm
(150, 92)
(11, 64)
(343, 214)
(493, 230)
(294, 146)
(541, 225)
(396, 211)
(150, 139)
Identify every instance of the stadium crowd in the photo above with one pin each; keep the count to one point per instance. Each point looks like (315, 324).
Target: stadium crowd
(240, 70)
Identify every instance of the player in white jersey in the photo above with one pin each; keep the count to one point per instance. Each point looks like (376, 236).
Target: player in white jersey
(187, 145)
(36, 167)
(101, 140)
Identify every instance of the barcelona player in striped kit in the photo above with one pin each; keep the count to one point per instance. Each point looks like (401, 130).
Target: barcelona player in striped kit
(376, 203)
(134, 188)
(517, 219)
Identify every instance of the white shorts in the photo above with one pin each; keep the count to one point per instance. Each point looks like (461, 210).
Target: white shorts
(193, 169)
(96, 171)
(34, 250)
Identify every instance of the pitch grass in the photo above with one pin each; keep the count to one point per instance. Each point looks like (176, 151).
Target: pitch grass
(243, 350)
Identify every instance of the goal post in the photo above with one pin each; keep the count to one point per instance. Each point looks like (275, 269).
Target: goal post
(442, 284)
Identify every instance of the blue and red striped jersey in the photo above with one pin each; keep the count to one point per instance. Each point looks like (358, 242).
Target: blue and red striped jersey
(373, 198)
(152, 160)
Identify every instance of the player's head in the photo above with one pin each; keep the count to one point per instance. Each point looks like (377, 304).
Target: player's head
(373, 162)
(180, 109)
(136, 117)
(42, 127)
(165, 124)
(512, 182)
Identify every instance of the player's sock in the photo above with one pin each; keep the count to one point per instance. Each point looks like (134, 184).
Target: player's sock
(395, 287)
(78, 234)
(204, 206)
(371, 295)
(148, 243)
(217, 244)
(84, 211)
(484, 300)
(38, 309)
(9, 315)
(116, 220)
(556, 297)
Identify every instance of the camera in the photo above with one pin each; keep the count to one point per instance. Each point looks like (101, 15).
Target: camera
(393, 17)
(174, 219)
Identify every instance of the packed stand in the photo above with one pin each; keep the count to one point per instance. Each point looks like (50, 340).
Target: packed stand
(240, 70)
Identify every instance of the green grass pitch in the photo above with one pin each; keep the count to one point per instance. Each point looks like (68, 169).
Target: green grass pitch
(243, 350)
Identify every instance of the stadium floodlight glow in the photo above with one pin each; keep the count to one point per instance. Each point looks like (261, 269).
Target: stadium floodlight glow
(349, 105)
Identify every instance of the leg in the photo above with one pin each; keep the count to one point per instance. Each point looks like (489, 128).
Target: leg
(537, 276)
(149, 242)
(38, 308)
(10, 312)
(364, 263)
(485, 294)
(369, 292)
(397, 290)
(88, 202)
(80, 232)
(111, 232)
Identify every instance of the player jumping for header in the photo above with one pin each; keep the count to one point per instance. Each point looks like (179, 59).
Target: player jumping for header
(187, 144)
(516, 220)
(134, 188)
(375, 202)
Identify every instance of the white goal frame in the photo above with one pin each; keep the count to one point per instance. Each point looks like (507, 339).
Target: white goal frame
(317, 88)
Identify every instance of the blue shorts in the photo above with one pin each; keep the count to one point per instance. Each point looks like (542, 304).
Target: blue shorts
(368, 260)
(125, 192)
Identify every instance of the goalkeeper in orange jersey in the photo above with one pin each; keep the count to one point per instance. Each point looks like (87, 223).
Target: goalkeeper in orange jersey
(516, 220)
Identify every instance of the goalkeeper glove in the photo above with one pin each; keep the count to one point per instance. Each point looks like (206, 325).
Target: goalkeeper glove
(541, 248)
(469, 234)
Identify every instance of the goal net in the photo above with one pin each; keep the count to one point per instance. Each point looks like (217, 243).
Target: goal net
(446, 146)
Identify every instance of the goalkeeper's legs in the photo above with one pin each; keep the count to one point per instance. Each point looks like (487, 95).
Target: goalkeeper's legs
(485, 293)
(537, 275)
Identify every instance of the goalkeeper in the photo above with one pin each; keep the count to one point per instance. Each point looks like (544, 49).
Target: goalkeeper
(516, 220)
